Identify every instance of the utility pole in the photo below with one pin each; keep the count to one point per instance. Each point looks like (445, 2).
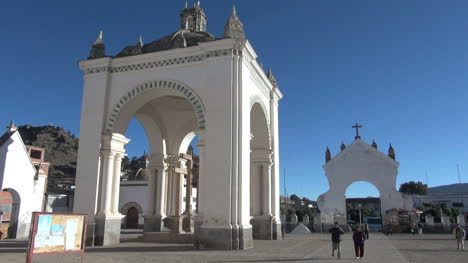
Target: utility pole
(284, 183)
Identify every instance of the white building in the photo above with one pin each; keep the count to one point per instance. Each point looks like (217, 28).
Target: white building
(23, 178)
(187, 84)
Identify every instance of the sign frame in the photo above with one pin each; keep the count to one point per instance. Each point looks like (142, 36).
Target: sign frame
(33, 231)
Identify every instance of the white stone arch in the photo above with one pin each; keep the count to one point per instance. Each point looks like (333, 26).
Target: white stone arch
(260, 172)
(125, 207)
(255, 98)
(359, 162)
(175, 87)
(186, 142)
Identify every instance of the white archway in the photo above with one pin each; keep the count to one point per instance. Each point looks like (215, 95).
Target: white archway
(358, 162)
(260, 174)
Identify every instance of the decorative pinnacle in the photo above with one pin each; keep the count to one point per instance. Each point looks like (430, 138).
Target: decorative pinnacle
(234, 11)
(198, 3)
(99, 38)
(140, 41)
(186, 4)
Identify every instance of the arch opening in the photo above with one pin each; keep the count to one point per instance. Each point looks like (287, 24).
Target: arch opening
(10, 202)
(169, 115)
(364, 206)
(260, 174)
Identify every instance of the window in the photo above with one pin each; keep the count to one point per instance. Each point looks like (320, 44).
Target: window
(35, 154)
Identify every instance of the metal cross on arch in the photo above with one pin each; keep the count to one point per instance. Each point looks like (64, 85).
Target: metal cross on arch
(357, 126)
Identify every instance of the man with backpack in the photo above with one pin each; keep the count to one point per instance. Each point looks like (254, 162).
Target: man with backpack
(336, 233)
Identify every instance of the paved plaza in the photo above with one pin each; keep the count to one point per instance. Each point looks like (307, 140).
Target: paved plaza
(296, 248)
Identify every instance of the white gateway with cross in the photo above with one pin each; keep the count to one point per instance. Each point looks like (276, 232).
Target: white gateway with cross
(360, 161)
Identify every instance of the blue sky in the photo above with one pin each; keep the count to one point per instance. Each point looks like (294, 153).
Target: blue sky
(397, 67)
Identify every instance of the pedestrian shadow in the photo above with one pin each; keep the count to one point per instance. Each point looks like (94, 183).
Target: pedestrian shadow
(419, 250)
(283, 260)
(141, 249)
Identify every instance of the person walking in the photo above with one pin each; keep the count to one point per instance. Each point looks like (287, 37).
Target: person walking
(366, 230)
(420, 228)
(460, 237)
(359, 238)
(336, 232)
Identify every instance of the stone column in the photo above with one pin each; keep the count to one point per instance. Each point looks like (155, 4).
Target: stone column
(174, 222)
(116, 184)
(198, 219)
(262, 226)
(188, 222)
(275, 96)
(106, 197)
(108, 219)
(266, 188)
(157, 194)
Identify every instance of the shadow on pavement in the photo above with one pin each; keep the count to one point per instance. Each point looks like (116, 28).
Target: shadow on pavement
(419, 250)
(283, 260)
(141, 249)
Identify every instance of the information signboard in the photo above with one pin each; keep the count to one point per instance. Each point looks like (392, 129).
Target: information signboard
(57, 233)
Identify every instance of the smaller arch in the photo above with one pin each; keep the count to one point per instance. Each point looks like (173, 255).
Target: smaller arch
(256, 99)
(186, 142)
(128, 205)
(362, 183)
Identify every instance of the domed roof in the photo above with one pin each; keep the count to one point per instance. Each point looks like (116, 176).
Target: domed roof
(178, 39)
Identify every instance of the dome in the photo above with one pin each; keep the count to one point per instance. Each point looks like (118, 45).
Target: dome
(178, 39)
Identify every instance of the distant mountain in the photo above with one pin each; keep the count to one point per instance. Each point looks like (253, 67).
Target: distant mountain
(449, 189)
(61, 151)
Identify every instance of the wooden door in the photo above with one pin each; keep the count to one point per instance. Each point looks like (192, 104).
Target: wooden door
(132, 217)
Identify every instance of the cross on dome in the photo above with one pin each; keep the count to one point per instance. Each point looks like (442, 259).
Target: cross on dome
(357, 126)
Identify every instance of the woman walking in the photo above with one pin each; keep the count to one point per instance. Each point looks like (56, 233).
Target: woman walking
(359, 238)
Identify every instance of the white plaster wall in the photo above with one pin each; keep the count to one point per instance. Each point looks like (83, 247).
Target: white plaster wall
(18, 174)
(360, 162)
(134, 191)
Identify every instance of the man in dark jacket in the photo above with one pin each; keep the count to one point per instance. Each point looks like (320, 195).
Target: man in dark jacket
(359, 237)
(336, 233)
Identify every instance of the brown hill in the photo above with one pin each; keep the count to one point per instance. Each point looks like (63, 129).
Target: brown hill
(61, 151)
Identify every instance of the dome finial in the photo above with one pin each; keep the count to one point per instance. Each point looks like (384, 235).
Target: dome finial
(374, 144)
(98, 49)
(99, 39)
(391, 152)
(140, 41)
(327, 155)
(234, 27)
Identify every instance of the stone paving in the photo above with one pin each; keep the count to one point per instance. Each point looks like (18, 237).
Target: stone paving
(295, 248)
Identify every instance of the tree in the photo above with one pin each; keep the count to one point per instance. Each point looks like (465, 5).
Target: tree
(413, 188)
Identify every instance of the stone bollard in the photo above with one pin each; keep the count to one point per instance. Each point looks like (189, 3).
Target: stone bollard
(429, 220)
(283, 219)
(445, 220)
(294, 219)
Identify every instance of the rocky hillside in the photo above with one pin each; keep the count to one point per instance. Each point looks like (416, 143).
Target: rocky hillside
(61, 150)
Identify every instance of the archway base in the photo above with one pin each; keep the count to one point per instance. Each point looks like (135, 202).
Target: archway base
(153, 224)
(220, 238)
(107, 230)
(265, 228)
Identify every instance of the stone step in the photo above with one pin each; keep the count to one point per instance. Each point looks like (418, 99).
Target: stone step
(167, 237)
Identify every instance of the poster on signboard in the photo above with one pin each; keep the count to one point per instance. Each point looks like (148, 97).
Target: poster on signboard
(58, 233)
